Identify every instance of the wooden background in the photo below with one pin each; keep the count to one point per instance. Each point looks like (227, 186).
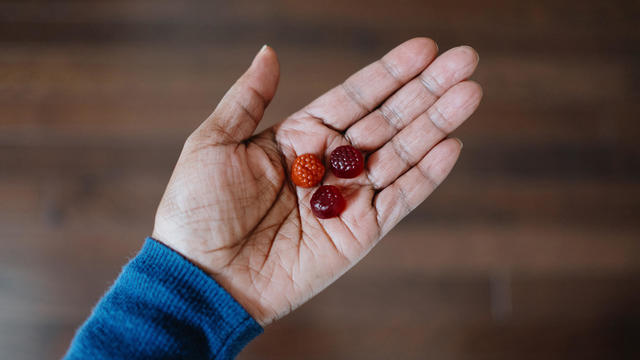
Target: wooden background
(531, 249)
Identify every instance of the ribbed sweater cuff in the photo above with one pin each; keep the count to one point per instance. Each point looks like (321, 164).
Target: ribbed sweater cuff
(195, 297)
(164, 307)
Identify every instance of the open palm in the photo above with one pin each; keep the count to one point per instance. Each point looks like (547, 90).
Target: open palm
(231, 209)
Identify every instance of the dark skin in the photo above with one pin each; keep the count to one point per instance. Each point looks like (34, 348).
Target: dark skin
(231, 208)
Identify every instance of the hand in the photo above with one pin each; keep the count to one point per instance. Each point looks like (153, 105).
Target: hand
(231, 208)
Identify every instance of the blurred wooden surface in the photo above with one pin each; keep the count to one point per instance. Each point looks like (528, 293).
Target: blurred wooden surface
(531, 249)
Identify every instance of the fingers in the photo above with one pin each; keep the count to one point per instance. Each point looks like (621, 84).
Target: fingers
(413, 99)
(411, 144)
(366, 89)
(238, 113)
(408, 191)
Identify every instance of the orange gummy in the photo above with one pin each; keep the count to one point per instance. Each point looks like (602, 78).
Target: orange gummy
(307, 171)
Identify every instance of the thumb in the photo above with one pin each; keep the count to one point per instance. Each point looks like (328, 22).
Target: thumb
(240, 110)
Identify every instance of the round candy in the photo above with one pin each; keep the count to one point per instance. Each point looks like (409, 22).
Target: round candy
(307, 171)
(346, 162)
(327, 202)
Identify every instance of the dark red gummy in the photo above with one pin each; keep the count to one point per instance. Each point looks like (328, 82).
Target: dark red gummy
(346, 162)
(327, 202)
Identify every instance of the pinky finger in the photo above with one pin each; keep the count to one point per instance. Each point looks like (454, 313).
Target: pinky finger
(409, 190)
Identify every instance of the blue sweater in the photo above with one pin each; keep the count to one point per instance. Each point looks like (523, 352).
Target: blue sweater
(164, 307)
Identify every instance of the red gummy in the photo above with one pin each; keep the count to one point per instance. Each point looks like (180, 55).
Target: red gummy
(346, 162)
(327, 202)
(307, 171)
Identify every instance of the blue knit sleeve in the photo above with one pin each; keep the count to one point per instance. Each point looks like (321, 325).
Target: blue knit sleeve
(164, 307)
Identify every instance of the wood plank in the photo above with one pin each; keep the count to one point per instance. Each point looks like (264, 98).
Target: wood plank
(118, 93)
(428, 314)
(119, 186)
(419, 318)
(101, 199)
(560, 27)
(430, 249)
(526, 248)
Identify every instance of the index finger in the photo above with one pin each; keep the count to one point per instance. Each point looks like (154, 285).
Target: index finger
(368, 88)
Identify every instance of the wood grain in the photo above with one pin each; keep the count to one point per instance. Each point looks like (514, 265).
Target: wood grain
(530, 250)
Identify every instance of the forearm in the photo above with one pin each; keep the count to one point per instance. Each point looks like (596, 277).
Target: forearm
(162, 306)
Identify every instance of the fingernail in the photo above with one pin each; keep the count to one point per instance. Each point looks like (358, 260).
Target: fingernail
(262, 49)
(460, 142)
